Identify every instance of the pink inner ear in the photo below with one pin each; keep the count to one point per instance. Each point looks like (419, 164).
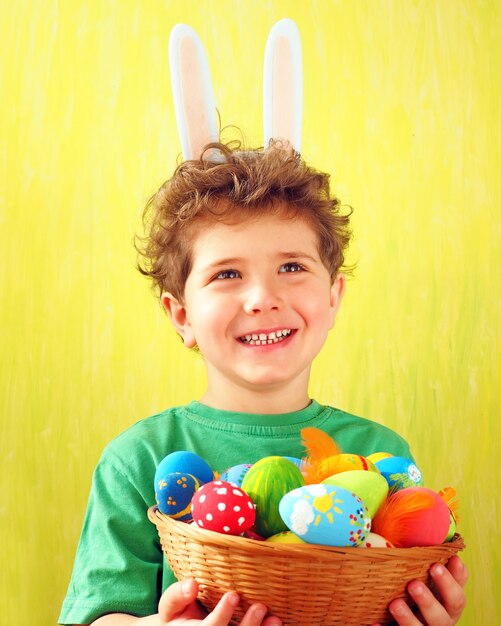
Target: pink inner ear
(194, 106)
(283, 91)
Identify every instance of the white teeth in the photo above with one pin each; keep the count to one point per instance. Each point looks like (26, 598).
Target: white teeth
(264, 339)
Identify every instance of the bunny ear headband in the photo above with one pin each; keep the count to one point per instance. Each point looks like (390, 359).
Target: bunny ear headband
(194, 104)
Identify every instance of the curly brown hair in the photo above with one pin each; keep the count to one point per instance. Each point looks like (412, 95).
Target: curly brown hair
(227, 184)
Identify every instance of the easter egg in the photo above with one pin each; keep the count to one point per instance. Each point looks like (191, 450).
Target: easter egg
(295, 460)
(377, 456)
(223, 508)
(250, 534)
(267, 482)
(452, 528)
(235, 474)
(414, 516)
(326, 515)
(285, 536)
(375, 541)
(370, 486)
(173, 493)
(400, 472)
(185, 463)
(448, 495)
(345, 463)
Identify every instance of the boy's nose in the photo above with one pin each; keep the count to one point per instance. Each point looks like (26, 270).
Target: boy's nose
(262, 298)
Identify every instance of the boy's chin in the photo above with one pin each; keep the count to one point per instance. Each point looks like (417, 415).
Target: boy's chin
(270, 379)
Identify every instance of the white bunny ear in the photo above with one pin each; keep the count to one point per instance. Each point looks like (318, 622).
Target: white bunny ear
(283, 84)
(196, 114)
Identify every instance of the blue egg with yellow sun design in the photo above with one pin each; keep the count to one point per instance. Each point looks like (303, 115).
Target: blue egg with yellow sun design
(326, 515)
(173, 493)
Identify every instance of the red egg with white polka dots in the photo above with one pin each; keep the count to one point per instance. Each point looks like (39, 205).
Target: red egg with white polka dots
(223, 508)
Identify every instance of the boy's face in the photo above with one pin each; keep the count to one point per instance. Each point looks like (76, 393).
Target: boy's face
(259, 304)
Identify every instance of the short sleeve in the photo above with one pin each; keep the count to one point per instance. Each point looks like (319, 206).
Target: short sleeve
(118, 565)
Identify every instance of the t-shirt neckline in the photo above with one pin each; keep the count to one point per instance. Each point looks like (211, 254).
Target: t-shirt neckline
(256, 419)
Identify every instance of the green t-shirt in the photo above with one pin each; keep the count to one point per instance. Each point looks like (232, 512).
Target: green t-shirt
(119, 566)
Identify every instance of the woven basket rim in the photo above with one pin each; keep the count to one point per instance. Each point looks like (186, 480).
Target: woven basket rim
(209, 537)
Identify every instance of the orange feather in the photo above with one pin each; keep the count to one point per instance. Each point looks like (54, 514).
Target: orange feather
(448, 495)
(319, 447)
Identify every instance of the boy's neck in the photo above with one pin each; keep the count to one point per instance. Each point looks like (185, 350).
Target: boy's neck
(268, 402)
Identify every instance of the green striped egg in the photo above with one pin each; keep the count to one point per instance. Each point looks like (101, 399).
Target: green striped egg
(266, 482)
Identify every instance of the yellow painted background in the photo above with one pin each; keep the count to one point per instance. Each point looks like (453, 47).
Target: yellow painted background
(401, 105)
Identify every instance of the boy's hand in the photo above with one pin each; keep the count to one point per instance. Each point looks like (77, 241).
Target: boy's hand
(433, 611)
(178, 607)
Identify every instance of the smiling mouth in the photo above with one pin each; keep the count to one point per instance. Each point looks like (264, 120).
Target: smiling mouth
(262, 339)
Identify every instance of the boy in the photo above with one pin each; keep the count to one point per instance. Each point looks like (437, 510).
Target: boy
(246, 252)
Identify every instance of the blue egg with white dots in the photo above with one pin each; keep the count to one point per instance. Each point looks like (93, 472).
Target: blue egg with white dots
(235, 474)
(173, 493)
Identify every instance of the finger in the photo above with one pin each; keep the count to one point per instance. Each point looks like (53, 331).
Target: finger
(402, 613)
(450, 586)
(223, 611)
(432, 610)
(177, 598)
(256, 616)
(458, 570)
(272, 620)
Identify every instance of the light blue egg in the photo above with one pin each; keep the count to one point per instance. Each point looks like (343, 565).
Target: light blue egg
(296, 461)
(400, 472)
(186, 463)
(235, 474)
(173, 494)
(326, 515)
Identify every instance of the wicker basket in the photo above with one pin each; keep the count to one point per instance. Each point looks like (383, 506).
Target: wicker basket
(302, 585)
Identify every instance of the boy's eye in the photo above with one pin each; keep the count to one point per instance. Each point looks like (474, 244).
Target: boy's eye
(227, 274)
(291, 267)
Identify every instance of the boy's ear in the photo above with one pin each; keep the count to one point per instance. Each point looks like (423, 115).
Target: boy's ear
(179, 317)
(336, 296)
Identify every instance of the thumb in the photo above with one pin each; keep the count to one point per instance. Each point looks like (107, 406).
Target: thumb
(176, 598)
